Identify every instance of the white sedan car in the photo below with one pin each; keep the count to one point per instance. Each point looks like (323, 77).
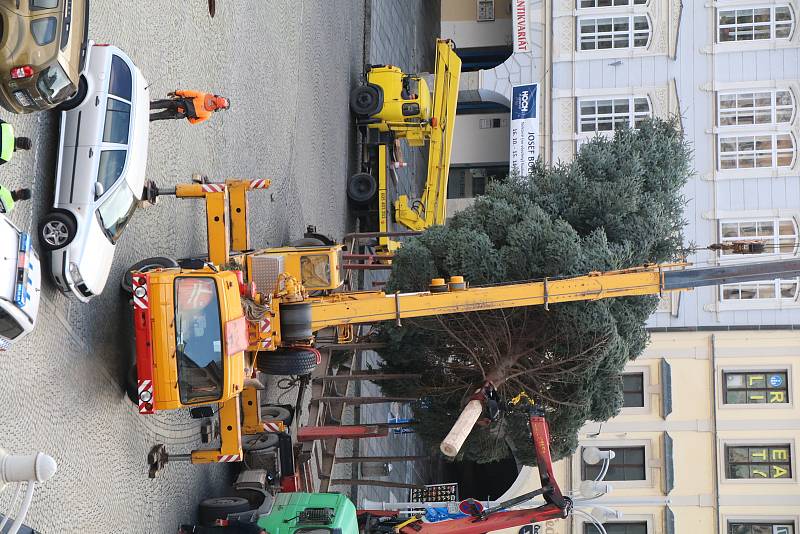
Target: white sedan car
(101, 172)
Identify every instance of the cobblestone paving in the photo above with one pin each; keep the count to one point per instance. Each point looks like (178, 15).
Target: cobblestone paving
(287, 66)
(400, 33)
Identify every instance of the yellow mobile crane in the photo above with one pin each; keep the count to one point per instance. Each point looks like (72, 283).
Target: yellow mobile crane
(204, 330)
(393, 105)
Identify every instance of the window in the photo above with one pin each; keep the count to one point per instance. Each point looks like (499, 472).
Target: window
(115, 211)
(756, 151)
(485, 10)
(628, 464)
(760, 527)
(610, 3)
(776, 290)
(118, 120)
(759, 461)
(755, 387)
(755, 108)
(613, 32)
(198, 340)
(44, 4)
(618, 528)
(112, 162)
(493, 123)
(778, 235)
(633, 390)
(43, 30)
(754, 24)
(607, 115)
(120, 81)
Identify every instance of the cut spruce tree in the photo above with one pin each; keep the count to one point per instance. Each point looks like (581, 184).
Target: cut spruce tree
(618, 204)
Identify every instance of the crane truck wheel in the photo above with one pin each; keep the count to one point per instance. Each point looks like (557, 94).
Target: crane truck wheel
(289, 361)
(276, 413)
(143, 266)
(366, 100)
(220, 507)
(361, 188)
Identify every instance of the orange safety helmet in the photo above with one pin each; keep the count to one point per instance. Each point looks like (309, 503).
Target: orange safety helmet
(220, 102)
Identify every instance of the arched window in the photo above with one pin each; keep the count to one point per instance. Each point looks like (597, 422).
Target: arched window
(606, 33)
(755, 108)
(756, 151)
(776, 290)
(597, 115)
(587, 4)
(754, 24)
(778, 235)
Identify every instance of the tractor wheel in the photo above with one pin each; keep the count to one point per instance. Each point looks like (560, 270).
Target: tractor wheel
(220, 507)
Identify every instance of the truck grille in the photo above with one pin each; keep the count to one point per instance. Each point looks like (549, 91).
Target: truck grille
(318, 516)
(266, 270)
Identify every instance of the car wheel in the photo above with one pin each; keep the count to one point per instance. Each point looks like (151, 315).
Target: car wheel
(56, 230)
(75, 100)
(365, 100)
(144, 266)
(220, 508)
(361, 188)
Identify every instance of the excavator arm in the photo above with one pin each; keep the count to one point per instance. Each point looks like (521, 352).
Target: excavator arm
(431, 208)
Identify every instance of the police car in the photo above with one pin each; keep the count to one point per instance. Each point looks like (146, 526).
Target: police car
(20, 278)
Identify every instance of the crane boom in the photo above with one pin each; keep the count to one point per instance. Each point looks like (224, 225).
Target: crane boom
(375, 306)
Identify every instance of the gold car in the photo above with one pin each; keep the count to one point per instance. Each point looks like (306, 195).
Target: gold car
(42, 52)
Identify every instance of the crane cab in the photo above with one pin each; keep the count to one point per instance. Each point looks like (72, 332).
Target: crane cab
(318, 268)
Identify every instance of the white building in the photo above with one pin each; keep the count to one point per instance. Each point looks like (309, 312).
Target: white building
(729, 68)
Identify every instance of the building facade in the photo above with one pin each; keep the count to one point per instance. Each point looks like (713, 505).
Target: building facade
(706, 443)
(730, 69)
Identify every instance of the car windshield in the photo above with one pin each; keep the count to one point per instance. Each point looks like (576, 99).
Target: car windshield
(9, 327)
(198, 339)
(54, 84)
(116, 210)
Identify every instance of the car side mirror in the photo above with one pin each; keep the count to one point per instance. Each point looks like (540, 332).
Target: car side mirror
(98, 190)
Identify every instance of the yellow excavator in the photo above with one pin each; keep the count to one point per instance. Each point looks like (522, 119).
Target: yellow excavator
(392, 105)
(206, 327)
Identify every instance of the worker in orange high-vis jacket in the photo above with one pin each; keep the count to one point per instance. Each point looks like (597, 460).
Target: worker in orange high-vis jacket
(195, 106)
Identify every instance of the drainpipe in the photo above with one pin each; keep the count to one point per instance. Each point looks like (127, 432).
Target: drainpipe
(714, 449)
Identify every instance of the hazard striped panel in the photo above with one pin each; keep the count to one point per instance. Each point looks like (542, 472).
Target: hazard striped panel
(144, 343)
(273, 426)
(224, 458)
(213, 188)
(259, 184)
(265, 326)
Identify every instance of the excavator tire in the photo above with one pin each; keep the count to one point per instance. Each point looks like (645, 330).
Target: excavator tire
(289, 361)
(366, 100)
(362, 188)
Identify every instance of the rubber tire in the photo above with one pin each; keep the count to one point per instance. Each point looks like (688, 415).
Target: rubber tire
(215, 508)
(307, 242)
(145, 265)
(365, 101)
(77, 99)
(63, 218)
(264, 442)
(362, 188)
(276, 413)
(285, 362)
